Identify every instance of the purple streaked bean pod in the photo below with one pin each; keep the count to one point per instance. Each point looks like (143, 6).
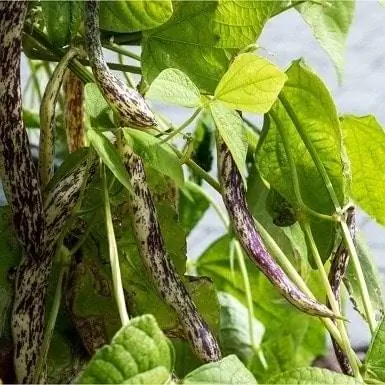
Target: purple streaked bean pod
(160, 269)
(233, 194)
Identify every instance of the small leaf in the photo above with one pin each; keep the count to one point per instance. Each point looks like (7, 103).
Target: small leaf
(130, 16)
(251, 84)
(228, 371)
(173, 86)
(231, 129)
(375, 358)
(372, 278)
(365, 144)
(158, 156)
(310, 376)
(31, 118)
(138, 352)
(62, 20)
(110, 157)
(193, 204)
(330, 24)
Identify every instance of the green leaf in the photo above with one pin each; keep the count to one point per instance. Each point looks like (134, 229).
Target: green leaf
(372, 278)
(319, 118)
(330, 24)
(251, 84)
(110, 157)
(186, 42)
(62, 20)
(158, 156)
(173, 86)
(31, 118)
(235, 330)
(201, 37)
(365, 144)
(309, 376)
(375, 358)
(227, 371)
(138, 352)
(231, 129)
(96, 107)
(193, 204)
(130, 16)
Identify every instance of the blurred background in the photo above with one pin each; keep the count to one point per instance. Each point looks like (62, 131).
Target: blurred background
(361, 92)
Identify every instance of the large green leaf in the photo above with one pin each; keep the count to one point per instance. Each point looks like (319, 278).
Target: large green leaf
(231, 129)
(252, 84)
(319, 120)
(62, 20)
(131, 16)
(227, 371)
(201, 36)
(173, 86)
(375, 359)
(330, 24)
(158, 156)
(235, 335)
(309, 376)
(109, 156)
(372, 278)
(139, 353)
(365, 144)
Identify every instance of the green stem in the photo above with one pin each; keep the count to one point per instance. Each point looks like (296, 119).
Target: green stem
(333, 302)
(118, 49)
(369, 312)
(181, 127)
(249, 298)
(35, 80)
(114, 258)
(125, 74)
(64, 258)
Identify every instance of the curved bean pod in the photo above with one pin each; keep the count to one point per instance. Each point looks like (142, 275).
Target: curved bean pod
(160, 268)
(234, 198)
(127, 102)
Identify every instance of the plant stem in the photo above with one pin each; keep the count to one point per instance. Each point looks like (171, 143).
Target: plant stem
(64, 258)
(332, 300)
(181, 127)
(360, 276)
(249, 298)
(114, 257)
(118, 49)
(125, 74)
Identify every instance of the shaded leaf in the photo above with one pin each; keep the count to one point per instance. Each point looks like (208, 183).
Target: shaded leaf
(131, 16)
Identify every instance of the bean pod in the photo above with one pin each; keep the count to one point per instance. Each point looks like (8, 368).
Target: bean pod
(127, 102)
(160, 268)
(234, 198)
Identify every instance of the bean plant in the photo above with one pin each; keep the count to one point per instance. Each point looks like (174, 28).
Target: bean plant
(102, 191)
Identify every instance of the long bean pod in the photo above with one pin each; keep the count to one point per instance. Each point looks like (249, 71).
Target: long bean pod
(234, 198)
(336, 274)
(127, 102)
(160, 268)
